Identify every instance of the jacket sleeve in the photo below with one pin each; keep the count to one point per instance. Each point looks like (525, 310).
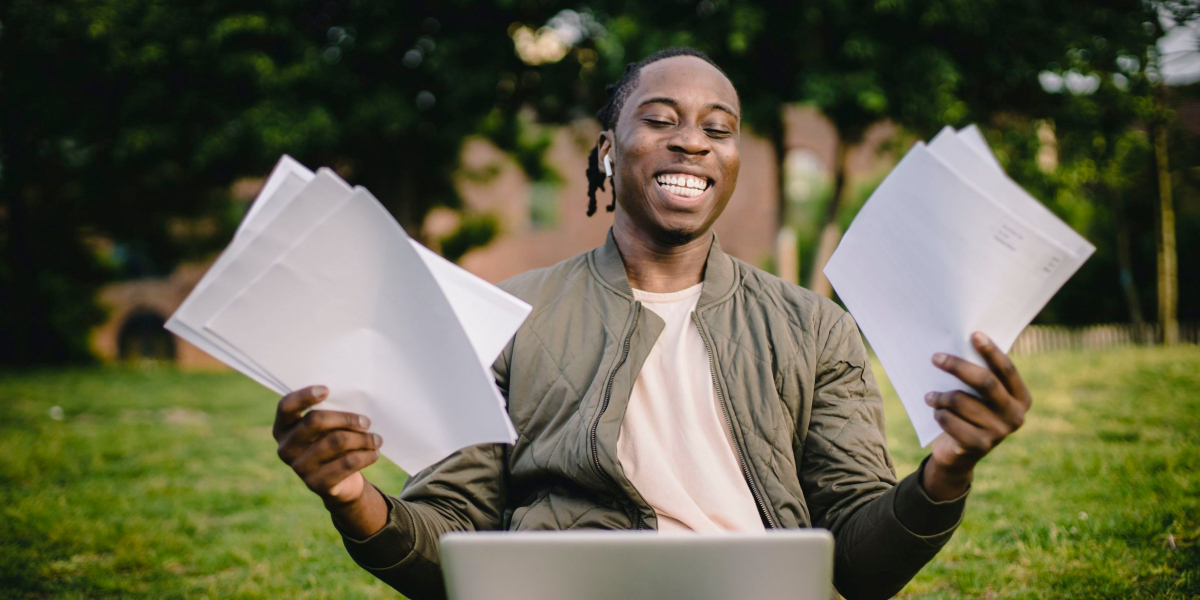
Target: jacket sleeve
(467, 491)
(884, 531)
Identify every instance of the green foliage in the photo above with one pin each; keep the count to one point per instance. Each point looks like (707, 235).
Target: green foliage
(475, 231)
(1103, 178)
(922, 64)
(164, 484)
(925, 65)
(526, 141)
(122, 116)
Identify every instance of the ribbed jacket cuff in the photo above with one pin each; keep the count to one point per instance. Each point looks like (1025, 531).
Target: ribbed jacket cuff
(923, 515)
(387, 547)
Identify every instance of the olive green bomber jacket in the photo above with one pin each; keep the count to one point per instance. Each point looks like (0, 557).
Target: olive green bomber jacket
(792, 376)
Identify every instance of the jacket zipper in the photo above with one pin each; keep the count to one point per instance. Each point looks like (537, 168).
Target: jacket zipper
(712, 365)
(637, 310)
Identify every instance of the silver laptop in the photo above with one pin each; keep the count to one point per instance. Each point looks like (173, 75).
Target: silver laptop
(602, 565)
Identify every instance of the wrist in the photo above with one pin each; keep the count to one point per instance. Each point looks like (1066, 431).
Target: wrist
(361, 517)
(946, 482)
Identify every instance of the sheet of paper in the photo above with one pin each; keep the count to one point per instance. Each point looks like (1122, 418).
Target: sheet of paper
(249, 255)
(283, 184)
(486, 312)
(982, 174)
(974, 139)
(930, 259)
(352, 306)
(217, 351)
(473, 299)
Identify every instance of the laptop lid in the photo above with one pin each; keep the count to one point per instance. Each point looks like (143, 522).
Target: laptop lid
(627, 565)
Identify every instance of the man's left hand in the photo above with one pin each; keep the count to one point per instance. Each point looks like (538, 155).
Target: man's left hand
(973, 423)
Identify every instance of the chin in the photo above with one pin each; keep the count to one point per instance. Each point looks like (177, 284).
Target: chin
(677, 233)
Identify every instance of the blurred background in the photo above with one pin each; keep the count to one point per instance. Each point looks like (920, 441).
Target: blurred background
(136, 133)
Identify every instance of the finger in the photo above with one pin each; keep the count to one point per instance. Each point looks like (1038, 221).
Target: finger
(973, 440)
(323, 479)
(318, 423)
(315, 425)
(983, 381)
(971, 409)
(292, 406)
(333, 446)
(1003, 367)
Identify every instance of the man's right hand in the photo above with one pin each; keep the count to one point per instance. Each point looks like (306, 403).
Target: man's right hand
(327, 449)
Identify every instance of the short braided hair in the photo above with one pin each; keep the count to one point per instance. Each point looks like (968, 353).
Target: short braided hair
(618, 93)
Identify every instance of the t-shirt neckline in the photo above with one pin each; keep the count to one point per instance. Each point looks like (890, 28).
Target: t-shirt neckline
(659, 297)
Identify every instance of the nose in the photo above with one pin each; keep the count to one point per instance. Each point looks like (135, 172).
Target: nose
(688, 139)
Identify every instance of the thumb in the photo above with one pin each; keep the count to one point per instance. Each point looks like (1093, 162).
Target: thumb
(348, 489)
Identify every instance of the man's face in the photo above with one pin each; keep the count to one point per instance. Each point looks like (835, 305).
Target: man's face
(675, 150)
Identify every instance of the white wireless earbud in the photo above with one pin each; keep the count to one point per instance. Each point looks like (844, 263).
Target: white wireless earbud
(608, 165)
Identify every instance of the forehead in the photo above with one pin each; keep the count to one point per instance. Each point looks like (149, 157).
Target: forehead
(686, 79)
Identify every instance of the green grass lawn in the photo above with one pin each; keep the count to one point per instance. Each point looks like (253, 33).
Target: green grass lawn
(157, 483)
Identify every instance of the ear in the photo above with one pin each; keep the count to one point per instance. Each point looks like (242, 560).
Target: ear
(604, 146)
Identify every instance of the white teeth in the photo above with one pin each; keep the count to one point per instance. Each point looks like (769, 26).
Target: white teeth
(690, 186)
(679, 190)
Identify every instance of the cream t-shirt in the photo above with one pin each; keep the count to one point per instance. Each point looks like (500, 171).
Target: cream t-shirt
(674, 444)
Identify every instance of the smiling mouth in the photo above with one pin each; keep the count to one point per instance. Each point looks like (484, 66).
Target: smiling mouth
(685, 186)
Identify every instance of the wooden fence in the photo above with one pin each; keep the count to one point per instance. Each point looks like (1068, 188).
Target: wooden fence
(1044, 338)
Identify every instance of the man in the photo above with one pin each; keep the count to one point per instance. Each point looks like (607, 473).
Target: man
(660, 383)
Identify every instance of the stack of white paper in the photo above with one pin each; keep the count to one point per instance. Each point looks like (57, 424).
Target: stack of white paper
(948, 245)
(321, 286)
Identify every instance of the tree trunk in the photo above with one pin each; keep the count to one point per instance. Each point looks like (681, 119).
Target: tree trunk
(778, 142)
(787, 252)
(787, 256)
(831, 232)
(1125, 266)
(1168, 272)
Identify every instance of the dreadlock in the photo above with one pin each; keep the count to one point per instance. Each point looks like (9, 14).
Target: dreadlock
(618, 93)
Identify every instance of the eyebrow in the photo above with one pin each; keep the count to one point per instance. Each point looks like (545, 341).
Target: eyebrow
(672, 103)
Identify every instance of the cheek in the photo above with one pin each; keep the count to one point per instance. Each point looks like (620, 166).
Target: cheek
(634, 155)
(731, 163)
(637, 149)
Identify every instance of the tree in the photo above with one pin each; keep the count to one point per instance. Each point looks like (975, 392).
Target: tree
(921, 64)
(1111, 124)
(128, 121)
(1171, 14)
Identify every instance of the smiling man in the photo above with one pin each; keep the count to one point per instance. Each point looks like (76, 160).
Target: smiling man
(662, 384)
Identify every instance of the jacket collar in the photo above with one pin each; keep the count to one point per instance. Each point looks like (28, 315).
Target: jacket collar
(720, 272)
